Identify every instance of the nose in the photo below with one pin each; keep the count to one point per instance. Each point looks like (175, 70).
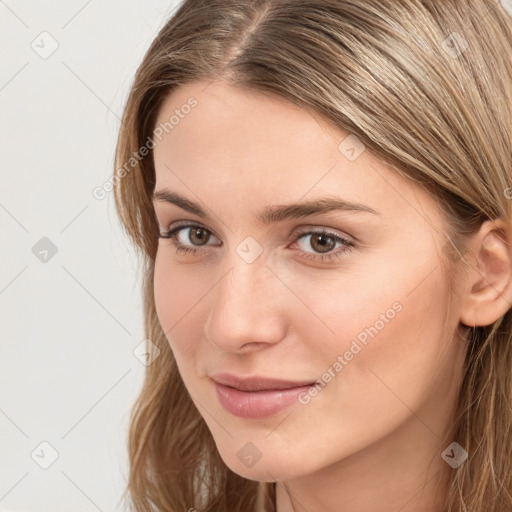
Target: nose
(247, 308)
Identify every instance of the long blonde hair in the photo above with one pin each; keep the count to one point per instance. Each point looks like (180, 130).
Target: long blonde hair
(426, 85)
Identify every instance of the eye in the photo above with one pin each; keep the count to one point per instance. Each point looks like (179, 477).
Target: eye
(197, 234)
(321, 241)
(324, 242)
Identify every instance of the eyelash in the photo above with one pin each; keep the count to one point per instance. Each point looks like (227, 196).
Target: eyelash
(325, 258)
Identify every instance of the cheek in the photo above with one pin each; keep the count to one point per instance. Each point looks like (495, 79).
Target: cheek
(387, 292)
(388, 334)
(176, 292)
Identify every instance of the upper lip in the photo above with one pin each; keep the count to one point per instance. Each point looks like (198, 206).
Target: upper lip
(256, 383)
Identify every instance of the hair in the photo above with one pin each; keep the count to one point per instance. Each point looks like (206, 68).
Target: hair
(426, 86)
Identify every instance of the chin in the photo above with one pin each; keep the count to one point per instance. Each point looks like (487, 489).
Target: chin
(277, 467)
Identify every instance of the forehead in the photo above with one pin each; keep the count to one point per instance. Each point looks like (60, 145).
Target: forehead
(233, 134)
(232, 120)
(258, 149)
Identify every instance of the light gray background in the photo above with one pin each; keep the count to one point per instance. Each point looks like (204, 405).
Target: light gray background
(70, 324)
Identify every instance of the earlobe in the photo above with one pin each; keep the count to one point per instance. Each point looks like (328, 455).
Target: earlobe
(488, 291)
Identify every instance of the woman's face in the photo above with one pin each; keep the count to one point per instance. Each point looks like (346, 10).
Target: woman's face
(359, 310)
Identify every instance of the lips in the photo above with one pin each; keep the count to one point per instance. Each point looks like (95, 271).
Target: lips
(257, 383)
(256, 397)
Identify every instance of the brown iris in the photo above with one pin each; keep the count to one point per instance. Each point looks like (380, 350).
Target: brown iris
(201, 234)
(323, 242)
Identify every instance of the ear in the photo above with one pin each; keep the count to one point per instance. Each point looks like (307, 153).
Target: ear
(488, 289)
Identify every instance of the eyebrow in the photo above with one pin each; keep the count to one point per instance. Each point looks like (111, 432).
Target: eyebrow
(275, 213)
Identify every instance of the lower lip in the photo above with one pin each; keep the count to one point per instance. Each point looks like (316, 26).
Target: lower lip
(257, 404)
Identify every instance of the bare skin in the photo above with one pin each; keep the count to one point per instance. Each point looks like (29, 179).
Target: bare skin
(371, 439)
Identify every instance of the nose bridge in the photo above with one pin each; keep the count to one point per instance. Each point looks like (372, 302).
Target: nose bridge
(244, 307)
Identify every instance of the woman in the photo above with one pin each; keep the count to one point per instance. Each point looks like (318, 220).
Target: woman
(320, 191)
